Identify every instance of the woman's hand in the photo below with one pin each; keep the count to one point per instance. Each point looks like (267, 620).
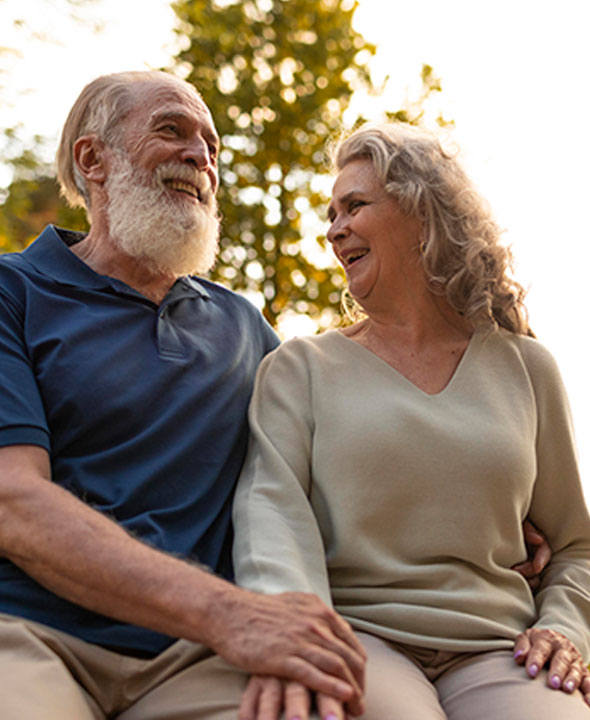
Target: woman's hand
(539, 555)
(266, 697)
(535, 648)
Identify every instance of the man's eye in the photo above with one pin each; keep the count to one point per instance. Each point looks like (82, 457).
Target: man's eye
(355, 205)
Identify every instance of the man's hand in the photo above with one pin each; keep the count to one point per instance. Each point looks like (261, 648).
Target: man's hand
(84, 557)
(535, 648)
(294, 636)
(539, 555)
(266, 698)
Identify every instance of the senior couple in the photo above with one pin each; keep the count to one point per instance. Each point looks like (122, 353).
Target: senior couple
(393, 467)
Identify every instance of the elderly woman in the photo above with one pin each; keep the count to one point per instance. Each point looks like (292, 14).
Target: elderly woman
(392, 462)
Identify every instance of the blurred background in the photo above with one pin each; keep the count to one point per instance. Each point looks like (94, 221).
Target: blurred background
(505, 82)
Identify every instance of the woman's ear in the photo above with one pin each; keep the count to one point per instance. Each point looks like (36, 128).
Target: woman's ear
(89, 156)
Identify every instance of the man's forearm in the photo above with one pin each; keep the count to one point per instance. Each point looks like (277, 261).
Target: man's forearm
(86, 558)
(81, 555)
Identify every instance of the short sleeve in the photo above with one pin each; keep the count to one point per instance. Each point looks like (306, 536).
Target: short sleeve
(22, 415)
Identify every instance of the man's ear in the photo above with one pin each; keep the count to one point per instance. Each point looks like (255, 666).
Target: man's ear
(90, 157)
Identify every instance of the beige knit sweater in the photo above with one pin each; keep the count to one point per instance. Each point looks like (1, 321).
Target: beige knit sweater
(405, 508)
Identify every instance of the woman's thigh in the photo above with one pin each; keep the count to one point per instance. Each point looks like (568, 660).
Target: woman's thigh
(491, 686)
(396, 688)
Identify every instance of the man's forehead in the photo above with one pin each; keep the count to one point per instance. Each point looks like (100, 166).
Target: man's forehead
(159, 97)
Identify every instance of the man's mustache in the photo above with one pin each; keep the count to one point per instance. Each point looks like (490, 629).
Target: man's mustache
(178, 172)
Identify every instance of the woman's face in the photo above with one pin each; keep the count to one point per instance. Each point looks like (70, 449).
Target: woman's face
(375, 242)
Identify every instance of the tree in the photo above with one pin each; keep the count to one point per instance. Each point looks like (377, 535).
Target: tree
(32, 198)
(277, 75)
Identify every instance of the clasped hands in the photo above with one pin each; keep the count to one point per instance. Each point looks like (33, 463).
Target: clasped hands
(266, 696)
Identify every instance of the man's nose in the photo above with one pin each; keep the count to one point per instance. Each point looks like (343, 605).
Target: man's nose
(197, 153)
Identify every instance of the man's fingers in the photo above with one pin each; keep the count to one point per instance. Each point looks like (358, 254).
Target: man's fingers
(344, 631)
(353, 659)
(531, 534)
(541, 557)
(311, 676)
(293, 636)
(525, 569)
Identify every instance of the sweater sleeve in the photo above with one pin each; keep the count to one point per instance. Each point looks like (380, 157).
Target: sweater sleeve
(277, 545)
(558, 508)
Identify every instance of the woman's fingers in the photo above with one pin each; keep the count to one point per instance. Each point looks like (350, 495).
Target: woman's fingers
(565, 667)
(521, 648)
(297, 701)
(329, 708)
(249, 700)
(537, 648)
(262, 699)
(572, 678)
(585, 685)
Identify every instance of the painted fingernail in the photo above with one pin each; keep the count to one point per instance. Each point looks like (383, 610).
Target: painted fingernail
(331, 716)
(534, 670)
(570, 685)
(555, 681)
(518, 654)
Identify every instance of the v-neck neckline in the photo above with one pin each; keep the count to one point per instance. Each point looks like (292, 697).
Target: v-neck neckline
(472, 343)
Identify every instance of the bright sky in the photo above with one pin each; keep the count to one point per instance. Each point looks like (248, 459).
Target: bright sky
(514, 77)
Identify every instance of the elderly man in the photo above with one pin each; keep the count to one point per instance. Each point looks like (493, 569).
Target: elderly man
(125, 382)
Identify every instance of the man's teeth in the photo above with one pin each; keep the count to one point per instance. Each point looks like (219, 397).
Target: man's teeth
(183, 187)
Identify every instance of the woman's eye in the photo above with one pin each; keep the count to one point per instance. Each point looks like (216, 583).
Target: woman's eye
(355, 205)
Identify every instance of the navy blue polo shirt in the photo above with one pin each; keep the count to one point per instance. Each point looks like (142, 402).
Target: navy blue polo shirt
(141, 407)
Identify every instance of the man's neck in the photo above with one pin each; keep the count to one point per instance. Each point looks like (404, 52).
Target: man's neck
(101, 253)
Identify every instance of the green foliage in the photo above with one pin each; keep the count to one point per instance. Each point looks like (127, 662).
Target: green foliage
(414, 112)
(277, 76)
(32, 199)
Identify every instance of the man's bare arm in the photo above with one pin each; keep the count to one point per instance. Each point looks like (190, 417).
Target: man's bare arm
(84, 557)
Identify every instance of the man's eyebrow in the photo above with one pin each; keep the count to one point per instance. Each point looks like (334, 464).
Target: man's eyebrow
(180, 116)
(169, 115)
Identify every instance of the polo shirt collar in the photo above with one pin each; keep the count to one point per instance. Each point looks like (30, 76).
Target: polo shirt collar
(50, 255)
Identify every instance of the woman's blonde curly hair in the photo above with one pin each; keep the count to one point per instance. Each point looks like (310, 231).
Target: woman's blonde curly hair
(461, 251)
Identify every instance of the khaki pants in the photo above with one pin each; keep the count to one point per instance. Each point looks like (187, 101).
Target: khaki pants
(49, 675)
(419, 684)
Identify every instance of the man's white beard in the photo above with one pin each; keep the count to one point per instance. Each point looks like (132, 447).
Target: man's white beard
(171, 237)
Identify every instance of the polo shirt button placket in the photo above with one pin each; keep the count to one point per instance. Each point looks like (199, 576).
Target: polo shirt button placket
(170, 346)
